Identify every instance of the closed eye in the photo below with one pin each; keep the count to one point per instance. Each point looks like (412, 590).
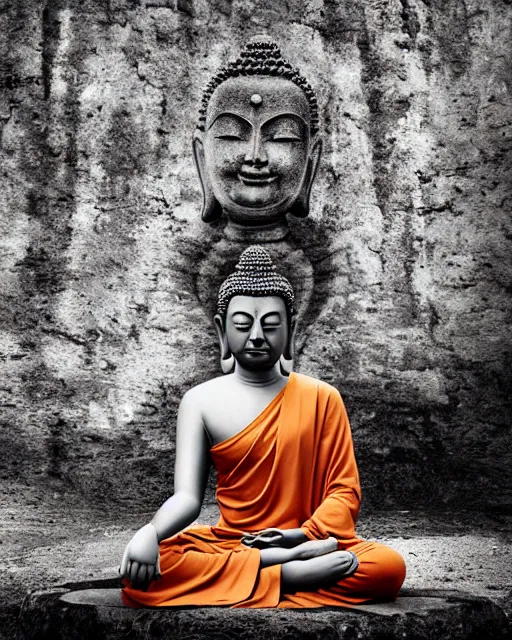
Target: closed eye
(228, 136)
(242, 327)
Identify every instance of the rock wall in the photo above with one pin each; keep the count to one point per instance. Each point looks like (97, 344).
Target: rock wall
(108, 273)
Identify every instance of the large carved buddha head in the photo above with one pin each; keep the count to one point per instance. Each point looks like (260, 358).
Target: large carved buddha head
(255, 317)
(257, 145)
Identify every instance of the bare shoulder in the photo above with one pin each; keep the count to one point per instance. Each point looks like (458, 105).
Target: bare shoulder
(202, 395)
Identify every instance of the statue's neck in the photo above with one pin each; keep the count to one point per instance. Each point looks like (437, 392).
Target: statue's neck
(260, 378)
(270, 232)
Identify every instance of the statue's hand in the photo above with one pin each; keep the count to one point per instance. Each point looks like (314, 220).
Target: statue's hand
(141, 560)
(270, 537)
(273, 537)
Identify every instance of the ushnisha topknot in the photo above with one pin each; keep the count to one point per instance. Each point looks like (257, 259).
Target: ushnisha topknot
(261, 56)
(255, 275)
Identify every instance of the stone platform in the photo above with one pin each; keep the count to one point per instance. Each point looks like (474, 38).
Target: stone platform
(86, 610)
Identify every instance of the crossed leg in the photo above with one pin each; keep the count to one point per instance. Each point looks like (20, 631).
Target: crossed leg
(360, 572)
(310, 565)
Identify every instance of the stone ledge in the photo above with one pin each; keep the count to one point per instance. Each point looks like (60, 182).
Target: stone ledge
(94, 610)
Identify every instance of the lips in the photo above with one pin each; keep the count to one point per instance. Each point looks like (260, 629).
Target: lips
(256, 178)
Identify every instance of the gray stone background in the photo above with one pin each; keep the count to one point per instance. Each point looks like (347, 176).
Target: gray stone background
(108, 274)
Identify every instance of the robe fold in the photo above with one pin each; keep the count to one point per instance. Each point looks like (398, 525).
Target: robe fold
(292, 466)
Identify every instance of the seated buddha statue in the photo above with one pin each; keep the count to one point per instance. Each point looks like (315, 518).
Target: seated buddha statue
(287, 480)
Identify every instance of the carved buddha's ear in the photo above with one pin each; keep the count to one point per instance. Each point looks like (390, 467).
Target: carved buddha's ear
(227, 361)
(286, 360)
(211, 208)
(300, 207)
(289, 347)
(221, 334)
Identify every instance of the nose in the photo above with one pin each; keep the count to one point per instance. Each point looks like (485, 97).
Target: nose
(256, 337)
(256, 154)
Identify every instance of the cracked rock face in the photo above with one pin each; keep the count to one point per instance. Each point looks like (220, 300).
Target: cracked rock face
(108, 273)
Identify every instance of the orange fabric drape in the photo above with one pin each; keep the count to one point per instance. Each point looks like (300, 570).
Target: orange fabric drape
(292, 466)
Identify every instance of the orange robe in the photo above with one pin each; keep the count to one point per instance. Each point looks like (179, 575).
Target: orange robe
(292, 466)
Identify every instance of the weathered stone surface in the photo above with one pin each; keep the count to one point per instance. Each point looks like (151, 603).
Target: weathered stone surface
(96, 612)
(404, 604)
(108, 273)
(49, 546)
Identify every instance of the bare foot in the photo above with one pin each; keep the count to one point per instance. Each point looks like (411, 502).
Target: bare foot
(314, 548)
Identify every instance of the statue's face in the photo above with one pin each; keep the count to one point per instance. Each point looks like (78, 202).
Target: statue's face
(256, 146)
(256, 330)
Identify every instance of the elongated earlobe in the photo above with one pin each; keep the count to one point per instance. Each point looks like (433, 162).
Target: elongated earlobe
(227, 365)
(285, 365)
(300, 208)
(227, 360)
(211, 210)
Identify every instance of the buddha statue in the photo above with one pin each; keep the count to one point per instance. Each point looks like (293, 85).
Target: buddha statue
(257, 145)
(288, 486)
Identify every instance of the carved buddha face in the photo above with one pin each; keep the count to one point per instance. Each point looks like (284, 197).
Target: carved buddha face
(255, 330)
(256, 157)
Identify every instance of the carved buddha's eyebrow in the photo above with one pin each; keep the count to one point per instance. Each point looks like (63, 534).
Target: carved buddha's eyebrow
(237, 116)
(285, 114)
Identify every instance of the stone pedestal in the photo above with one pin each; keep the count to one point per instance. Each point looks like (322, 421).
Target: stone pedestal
(95, 610)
